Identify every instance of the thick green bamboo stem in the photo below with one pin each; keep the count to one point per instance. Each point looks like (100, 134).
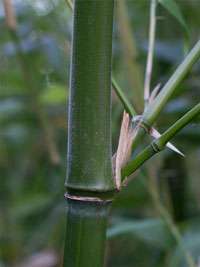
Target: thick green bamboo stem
(90, 185)
(89, 146)
(86, 233)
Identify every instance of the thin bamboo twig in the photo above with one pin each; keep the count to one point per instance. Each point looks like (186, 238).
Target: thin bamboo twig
(155, 134)
(154, 93)
(125, 101)
(178, 125)
(154, 108)
(149, 65)
(121, 157)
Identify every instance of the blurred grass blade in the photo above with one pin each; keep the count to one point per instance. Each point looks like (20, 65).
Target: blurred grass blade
(69, 3)
(152, 231)
(174, 10)
(191, 241)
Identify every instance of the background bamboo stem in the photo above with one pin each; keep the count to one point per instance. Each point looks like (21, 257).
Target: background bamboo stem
(29, 81)
(165, 215)
(134, 71)
(149, 65)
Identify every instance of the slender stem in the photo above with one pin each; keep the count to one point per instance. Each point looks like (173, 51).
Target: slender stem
(127, 105)
(137, 162)
(178, 125)
(160, 143)
(90, 185)
(149, 65)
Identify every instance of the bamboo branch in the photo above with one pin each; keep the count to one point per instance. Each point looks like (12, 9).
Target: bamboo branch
(119, 92)
(153, 110)
(160, 143)
(149, 65)
(177, 126)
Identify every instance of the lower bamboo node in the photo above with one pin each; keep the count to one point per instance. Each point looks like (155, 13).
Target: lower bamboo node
(86, 198)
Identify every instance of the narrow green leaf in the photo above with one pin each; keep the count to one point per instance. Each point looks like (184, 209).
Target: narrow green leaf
(151, 231)
(174, 10)
(32, 205)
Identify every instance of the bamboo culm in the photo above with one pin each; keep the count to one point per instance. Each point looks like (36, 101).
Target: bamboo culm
(90, 185)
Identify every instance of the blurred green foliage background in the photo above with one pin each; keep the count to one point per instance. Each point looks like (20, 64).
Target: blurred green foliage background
(155, 221)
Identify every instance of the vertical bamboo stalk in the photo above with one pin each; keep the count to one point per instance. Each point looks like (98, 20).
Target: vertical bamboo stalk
(86, 233)
(89, 182)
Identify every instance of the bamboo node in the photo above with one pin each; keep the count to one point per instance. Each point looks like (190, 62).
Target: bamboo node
(140, 122)
(155, 147)
(86, 198)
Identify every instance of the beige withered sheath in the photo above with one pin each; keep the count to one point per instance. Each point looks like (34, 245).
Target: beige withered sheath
(124, 148)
